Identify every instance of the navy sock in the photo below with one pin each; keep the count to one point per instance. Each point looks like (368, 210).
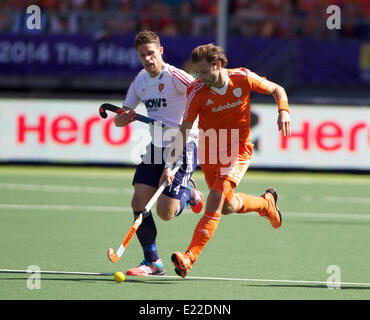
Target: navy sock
(147, 234)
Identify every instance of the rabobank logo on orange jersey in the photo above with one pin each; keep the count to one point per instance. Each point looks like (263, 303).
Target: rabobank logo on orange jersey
(227, 106)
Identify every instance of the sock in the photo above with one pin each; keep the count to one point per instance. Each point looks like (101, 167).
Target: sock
(251, 203)
(203, 232)
(147, 234)
(183, 201)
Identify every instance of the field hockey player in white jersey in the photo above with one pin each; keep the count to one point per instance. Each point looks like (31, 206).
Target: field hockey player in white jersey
(162, 88)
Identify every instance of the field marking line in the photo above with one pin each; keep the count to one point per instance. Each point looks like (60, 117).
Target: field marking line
(310, 181)
(193, 277)
(61, 207)
(124, 174)
(347, 199)
(318, 215)
(102, 174)
(326, 215)
(335, 199)
(57, 272)
(108, 190)
(56, 188)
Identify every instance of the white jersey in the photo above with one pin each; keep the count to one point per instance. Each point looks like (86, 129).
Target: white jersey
(164, 97)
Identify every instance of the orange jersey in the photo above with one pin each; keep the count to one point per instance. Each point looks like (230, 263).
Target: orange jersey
(225, 110)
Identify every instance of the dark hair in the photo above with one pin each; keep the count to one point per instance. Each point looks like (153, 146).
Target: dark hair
(145, 37)
(209, 52)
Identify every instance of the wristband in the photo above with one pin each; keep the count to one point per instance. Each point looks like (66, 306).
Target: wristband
(168, 165)
(283, 105)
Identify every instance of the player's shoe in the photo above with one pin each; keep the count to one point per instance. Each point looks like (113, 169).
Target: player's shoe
(182, 261)
(147, 268)
(273, 213)
(196, 197)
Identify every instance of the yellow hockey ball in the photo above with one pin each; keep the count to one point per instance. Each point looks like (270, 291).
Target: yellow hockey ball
(119, 277)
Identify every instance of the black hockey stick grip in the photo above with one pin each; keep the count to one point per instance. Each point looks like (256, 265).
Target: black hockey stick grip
(110, 107)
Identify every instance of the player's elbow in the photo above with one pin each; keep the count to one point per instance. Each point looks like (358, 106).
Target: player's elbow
(278, 92)
(278, 89)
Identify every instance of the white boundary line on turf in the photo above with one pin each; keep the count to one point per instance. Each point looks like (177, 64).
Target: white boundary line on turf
(62, 207)
(347, 199)
(69, 189)
(327, 215)
(57, 272)
(102, 174)
(129, 191)
(313, 215)
(276, 280)
(194, 278)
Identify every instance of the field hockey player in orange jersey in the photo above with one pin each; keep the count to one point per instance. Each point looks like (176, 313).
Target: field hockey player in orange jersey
(221, 98)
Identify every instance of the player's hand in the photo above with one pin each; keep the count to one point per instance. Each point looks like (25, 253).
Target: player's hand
(167, 176)
(284, 123)
(124, 118)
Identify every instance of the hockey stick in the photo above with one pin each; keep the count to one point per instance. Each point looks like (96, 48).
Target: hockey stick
(114, 257)
(111, 107)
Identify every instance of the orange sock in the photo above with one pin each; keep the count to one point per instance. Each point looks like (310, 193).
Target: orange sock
(251, 203)
(203, 232)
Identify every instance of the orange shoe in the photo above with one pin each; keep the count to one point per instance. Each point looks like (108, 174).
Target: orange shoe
(182, 262)
(273, 213)
(196, 197)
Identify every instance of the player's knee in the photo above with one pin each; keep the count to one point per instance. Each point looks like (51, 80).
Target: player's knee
(166, 216)
(228, 190)
(215, 196)
(165, 210)
(137, 204)
(227, 208)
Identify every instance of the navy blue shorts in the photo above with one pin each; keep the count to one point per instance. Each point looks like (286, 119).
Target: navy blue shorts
(149, 172)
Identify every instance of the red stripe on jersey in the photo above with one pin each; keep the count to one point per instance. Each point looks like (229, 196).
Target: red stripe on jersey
(182, 77)
(183, 74)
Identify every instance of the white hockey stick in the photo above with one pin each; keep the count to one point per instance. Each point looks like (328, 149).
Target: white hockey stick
(115, 256)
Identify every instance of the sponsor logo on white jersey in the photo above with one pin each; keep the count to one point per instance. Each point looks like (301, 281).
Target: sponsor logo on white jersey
(155, 103)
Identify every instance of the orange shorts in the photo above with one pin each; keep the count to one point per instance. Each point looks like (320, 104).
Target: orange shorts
(225, 177)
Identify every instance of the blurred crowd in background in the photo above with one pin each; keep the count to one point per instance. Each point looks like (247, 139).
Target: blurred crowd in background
(248, 18)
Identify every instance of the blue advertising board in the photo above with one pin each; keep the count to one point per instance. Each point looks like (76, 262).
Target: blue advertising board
(301, 61)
